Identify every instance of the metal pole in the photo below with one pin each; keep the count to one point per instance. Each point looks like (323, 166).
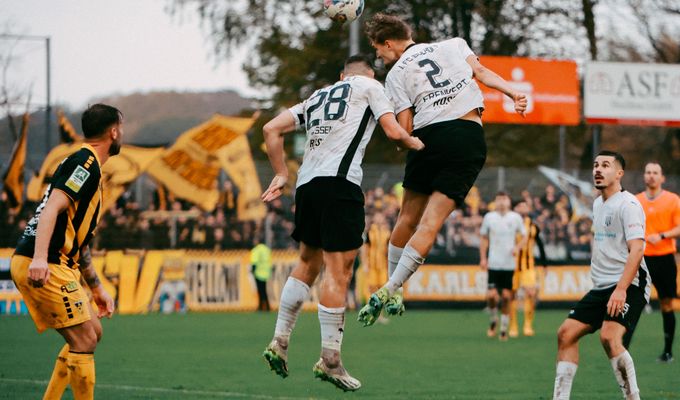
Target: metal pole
(48, 102)
(563, 144)
(596, 140)
(354, 37)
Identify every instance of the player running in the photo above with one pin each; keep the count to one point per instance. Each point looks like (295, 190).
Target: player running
(499, 232)
(53, 247)
(662, 209)
(435, 82)
(620, 281)
(329, 204)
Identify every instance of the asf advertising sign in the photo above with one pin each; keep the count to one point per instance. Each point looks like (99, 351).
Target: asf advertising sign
(632, 94)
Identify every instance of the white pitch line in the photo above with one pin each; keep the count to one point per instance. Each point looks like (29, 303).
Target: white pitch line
(166, 390)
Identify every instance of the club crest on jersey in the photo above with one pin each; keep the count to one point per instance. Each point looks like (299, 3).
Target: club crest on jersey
(70, 287)
(608, 220)
(77, 179)
(79, 306)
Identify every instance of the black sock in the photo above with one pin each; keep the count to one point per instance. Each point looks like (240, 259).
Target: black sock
(668, 330)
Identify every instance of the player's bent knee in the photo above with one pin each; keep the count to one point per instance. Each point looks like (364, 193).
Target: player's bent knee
(565, 336)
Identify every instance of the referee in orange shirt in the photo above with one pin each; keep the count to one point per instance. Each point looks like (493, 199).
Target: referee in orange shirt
(662, 209)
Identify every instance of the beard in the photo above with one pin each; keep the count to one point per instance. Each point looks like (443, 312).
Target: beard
(114, 149)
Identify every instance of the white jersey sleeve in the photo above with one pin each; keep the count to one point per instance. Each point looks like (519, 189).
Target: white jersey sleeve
(377, 100)
(633, 217)
(484, 230)
(460, 45)
(521, 229)
(298, 112)
(397, 94)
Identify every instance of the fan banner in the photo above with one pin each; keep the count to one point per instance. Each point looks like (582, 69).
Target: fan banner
(551, 86)
(191, 166)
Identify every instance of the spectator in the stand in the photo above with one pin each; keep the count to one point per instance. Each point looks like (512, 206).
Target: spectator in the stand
(549, 198)
(228, 199)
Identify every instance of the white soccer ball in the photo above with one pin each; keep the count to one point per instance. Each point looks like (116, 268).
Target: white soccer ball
(343, 10)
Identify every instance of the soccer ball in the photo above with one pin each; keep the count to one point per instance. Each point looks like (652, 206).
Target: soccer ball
(343, 10)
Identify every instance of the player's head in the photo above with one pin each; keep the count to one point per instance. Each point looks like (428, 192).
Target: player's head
(654, 177)
(608, 169)
(357, 64)
(522, 208)
(389, 35)
(104, 122)
(502, 202)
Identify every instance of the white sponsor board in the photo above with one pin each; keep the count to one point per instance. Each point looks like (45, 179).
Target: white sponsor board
(632, 94)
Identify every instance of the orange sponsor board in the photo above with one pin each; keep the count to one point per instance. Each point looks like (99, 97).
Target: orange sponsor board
(552, 90)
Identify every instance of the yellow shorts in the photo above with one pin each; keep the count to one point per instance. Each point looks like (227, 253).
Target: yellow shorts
(61, 303)
(526, 278)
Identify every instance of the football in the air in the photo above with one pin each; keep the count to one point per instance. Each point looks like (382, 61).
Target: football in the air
(343, 10)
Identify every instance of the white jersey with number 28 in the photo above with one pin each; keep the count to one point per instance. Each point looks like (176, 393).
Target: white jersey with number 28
(339, 121)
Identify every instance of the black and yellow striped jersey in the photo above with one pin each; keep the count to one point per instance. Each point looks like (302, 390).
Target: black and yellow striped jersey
(525, 258)
(78, 176)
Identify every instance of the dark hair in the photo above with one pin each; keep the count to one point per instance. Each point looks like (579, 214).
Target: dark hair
(617, 156)
(358, 59)
(502, 193)
(382, 27)
(98, 118)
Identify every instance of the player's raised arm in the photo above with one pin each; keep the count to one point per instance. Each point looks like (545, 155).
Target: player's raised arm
(273, 138)
(492, 80)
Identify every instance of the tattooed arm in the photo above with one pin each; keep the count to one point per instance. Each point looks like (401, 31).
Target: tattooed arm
(99, 295)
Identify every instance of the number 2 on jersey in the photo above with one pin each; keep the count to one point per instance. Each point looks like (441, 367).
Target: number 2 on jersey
(433, 73)
(334, 103)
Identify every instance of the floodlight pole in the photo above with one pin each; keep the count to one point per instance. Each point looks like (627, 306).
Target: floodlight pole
(354, 37)
(48, 100)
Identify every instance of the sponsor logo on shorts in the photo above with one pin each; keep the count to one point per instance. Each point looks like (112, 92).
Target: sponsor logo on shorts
(626, 306)
(70, 287)
(77, 179)
(79, 306)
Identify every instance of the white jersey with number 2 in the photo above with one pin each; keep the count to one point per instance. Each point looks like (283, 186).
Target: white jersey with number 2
(339, 121)
(436, 80)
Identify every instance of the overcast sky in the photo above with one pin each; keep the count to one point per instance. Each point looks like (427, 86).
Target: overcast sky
(102, 47)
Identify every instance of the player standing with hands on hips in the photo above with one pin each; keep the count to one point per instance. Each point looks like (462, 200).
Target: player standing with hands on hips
(434, 94)
(621, 283)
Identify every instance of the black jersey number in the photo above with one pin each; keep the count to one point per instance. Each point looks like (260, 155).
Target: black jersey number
(434, 71)
(334, 104)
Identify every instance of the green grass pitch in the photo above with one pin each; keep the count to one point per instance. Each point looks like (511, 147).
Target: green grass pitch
(422, 355)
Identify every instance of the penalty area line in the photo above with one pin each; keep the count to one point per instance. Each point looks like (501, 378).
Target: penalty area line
(159, 390)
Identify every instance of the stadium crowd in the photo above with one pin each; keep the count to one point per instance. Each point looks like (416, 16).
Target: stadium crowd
(566, 235)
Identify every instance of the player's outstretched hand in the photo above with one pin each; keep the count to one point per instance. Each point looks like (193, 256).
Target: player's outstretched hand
(520, 103)
(38, 273)
(104, 302)
(617, 302)
(275, 188)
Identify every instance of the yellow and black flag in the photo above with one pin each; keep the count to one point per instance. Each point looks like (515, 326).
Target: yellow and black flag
(13, 179)
(66, 130)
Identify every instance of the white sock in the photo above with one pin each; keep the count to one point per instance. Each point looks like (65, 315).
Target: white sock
(332, 321)
(493, 316)
(393, 256)
(563, 380)
(624, 371)
(294, 293)
(408, 264)
(505, 321)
